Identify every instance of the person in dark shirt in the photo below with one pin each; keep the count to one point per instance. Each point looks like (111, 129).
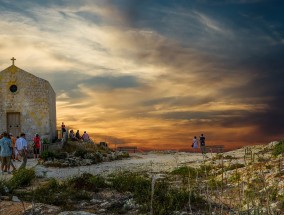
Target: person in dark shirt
(63, 129)
(78, 136)
(202, 144)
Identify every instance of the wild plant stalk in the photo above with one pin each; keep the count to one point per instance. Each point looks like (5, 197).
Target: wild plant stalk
(33, 199)
(248, 179)
(152, 194)
(266, 192)
(217, 193)
(198, 184)
(239, 187)
(189, 192)
(222, 183)
(230, 203)
(206, 186)
(176, 159)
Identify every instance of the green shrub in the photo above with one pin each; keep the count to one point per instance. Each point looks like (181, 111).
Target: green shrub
(47, 155)
(278, 148)
(59, 194)
(3, 187)
(236, 177)
(88, 182)
(166, 198)
(229, 157)
(234, 166)
(139, 185)
(123, 155)
(80, 153)
(61, 155)
(70, 147)
(23, 177)
(185, 171)
(214, 184)
(45, 141)
(204, 169)
(263, 159)
(98, 182)
(50, 193)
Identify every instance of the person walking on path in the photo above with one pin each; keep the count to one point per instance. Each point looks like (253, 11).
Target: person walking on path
(36, 146)
(194, 144)
(22, 147)
(202, 145)
(5, 153)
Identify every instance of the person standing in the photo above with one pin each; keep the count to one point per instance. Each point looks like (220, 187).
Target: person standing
(63, 129)
(202, 145)
(13, 139)
(36, 146)
(5, 153)
(16, 150)
(22, 147)
(194, 144)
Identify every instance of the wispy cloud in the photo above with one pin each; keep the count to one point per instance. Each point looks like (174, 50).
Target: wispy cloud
(154, 74)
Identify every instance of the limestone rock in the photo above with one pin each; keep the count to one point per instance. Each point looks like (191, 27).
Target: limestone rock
(75, 213)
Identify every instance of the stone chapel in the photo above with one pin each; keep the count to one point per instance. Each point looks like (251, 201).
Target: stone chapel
(27, 104)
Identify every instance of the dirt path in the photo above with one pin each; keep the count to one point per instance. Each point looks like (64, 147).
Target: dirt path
(150, 162)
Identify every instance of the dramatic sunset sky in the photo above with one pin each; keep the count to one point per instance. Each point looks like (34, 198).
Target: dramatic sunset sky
(154, 73)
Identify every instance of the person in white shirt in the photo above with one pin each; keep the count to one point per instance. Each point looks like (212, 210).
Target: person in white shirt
(22, 147)
(17, 155)
(194, 144)
(85, 137)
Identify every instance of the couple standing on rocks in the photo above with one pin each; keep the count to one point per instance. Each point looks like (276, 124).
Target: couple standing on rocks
(202, 144)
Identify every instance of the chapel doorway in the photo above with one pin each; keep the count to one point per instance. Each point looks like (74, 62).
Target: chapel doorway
(13, 123)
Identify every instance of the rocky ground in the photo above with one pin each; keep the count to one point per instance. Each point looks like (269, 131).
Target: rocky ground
(249, 160)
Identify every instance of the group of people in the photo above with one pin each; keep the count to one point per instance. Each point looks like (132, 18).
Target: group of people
(202, 144)
(11, 149)
(75, 136)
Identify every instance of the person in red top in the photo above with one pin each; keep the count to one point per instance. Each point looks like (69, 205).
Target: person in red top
(36, 146)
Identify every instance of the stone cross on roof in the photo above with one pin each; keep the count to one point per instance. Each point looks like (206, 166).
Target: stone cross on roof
(13, 60)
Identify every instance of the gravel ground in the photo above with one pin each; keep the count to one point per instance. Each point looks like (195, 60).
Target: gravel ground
(151, 162)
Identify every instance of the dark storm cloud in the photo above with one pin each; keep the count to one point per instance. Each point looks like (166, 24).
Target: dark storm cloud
(66, 82)
(175, 101)
(266, 88)
(112, 82)
(255, 47)
(69, 82)
(212, 117)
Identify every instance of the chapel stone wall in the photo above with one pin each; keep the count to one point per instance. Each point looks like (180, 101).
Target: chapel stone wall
(34, 99)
